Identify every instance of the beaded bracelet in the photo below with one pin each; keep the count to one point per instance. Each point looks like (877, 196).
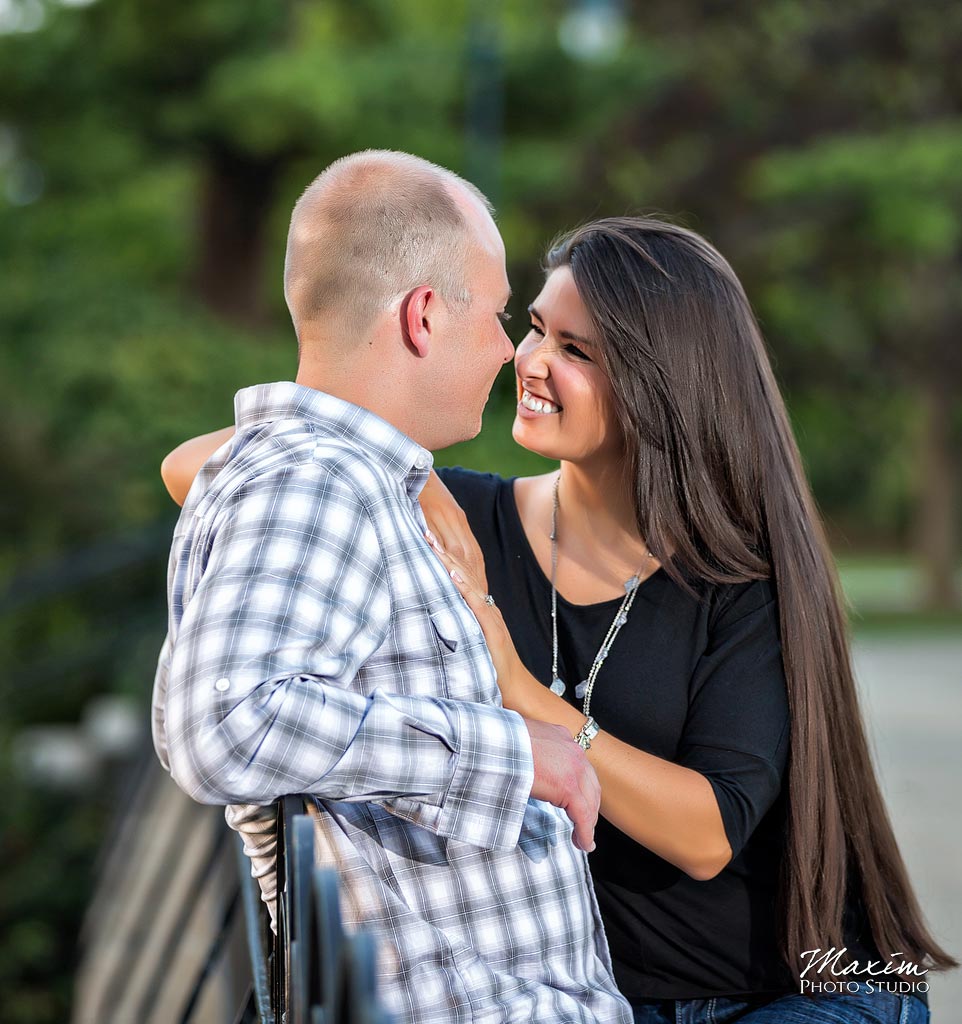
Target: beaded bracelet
(587, 733)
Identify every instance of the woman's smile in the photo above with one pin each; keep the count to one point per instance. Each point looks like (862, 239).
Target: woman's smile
(536, 405)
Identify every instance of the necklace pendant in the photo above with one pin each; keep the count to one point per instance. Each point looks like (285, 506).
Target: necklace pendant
(557, 686)
(581, 689)
(621, 620)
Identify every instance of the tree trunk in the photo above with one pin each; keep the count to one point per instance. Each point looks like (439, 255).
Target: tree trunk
(235, 201)
(938, 512)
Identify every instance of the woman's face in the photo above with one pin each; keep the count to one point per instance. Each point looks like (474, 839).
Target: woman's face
(565, 409)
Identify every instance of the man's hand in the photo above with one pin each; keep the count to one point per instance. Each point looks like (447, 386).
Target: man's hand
(564, 777)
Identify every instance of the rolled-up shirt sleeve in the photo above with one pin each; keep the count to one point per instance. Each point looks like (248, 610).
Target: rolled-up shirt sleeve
(290, 601)
(738, 727)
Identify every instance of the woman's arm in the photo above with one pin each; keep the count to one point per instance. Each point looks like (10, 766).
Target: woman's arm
(670, 809)
(667, 808)
(183, 464)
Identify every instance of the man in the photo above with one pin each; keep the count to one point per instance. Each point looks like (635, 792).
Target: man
(317, 645)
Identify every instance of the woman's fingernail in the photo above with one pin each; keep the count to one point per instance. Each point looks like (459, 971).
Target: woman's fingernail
(433, 541)
(456, 576)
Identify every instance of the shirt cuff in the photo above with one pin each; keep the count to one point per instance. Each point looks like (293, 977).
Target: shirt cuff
(485, 803)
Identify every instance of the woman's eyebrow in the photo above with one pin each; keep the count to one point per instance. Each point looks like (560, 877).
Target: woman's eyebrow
(567, 335)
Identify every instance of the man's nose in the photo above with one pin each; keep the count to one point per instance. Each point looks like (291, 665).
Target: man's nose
(508, 348)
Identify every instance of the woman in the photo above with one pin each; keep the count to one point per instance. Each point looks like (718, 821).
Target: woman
(669, 598)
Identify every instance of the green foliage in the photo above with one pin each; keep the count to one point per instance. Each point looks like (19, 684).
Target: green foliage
(46, 843)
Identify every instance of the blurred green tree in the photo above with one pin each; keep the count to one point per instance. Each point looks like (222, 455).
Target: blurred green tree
(818, 146)
(892, 207)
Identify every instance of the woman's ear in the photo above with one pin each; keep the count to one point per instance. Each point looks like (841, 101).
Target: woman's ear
(416, 312)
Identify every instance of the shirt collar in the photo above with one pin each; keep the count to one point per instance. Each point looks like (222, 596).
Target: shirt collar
(404, 458)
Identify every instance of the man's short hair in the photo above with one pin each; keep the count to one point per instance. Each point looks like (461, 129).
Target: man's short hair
(370, 227)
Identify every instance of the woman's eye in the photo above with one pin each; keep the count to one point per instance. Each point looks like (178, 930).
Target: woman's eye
(577, 353)
(537, 330)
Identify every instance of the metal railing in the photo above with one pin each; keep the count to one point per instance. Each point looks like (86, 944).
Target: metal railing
(177, 933)
(321, 975)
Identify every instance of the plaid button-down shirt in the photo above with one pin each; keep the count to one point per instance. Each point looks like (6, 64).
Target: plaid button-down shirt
(316, 645)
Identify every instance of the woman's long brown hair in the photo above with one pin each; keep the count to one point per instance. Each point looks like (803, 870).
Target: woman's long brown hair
(719, 484)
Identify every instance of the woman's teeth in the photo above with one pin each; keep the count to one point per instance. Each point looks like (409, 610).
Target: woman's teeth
(538, 404)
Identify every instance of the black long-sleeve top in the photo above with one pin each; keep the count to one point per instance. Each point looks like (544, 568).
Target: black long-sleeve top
(696, 681)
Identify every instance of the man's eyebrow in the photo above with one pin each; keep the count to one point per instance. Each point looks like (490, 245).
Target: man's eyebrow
(567, 335)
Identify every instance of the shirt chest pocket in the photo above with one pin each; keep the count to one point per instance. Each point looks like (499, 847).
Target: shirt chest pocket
(465, 661)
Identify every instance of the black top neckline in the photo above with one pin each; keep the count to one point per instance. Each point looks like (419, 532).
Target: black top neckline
(511, 504)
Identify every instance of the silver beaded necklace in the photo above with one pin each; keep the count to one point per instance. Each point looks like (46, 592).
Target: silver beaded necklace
(585, 688)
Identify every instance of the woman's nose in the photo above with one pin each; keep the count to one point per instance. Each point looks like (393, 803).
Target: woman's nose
(530, 360)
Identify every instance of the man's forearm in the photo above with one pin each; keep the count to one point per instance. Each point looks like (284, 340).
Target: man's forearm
(461, 770)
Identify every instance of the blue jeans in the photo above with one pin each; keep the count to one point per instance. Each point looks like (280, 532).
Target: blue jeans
(864, 1007)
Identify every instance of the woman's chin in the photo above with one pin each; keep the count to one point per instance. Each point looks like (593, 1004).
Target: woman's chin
(517, 430)
(526, 437)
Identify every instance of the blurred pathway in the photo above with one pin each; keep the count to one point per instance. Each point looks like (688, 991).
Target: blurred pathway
(911, 690)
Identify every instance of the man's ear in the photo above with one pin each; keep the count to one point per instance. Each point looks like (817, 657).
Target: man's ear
(417, 312)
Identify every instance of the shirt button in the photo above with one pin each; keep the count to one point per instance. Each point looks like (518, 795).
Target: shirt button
(222, 685)
(423, 461)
